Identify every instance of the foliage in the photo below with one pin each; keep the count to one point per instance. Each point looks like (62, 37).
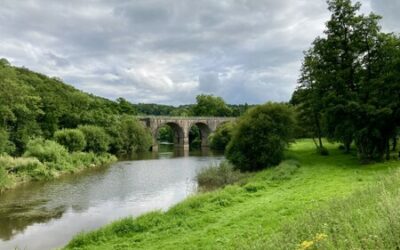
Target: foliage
(46, 151)
(261, 136)
(209, 105)
(218, 176)
(97, 140)
(249, 216)
(128, 136)
(195, 137)
(72, 139)
(166, 134)
(5, 145)
(221, 137)
(350, 83)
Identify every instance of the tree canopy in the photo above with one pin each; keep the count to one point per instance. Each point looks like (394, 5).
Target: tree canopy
(349, 87)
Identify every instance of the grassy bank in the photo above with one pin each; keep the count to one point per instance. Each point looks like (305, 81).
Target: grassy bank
(14, 171)
(254, 214)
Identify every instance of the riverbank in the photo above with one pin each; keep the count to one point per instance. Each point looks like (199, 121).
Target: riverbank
(244, 216)
(19, 170)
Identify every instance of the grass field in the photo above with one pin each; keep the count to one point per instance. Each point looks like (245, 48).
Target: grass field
(301, 204)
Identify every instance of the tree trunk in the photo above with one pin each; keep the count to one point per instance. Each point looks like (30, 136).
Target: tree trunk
(387, 149)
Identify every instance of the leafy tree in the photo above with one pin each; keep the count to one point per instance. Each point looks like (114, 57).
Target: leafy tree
(129, 136)
(209, 105)
(349, 87)
(126, 107)
(72, 139)
(261, 137)
(97, 140)
(221, 137)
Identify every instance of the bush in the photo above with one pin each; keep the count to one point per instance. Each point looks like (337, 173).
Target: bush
(4, 178)
(97, 140)
(5, 145)
(129, 136)
(221, 137)
(46, 151)
(218, 176)
(261, 137)
(72, 139)
(24, 168)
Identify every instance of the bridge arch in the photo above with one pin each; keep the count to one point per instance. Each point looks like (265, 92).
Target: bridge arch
(178, 134)
(204, 130)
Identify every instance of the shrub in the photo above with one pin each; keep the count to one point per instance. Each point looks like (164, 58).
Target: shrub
(97, 140)
(5, 145)
(129, 136)
(4, 178)
(218, 176)
(24, 168)
(72, 139)
(46, 151)
(221, 137)
(261, 137)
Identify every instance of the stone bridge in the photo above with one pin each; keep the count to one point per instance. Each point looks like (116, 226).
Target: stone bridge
(181, 126)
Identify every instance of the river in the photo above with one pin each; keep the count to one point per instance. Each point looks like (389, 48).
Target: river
(46, 215)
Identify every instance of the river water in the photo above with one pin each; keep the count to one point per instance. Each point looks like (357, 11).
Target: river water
(46, 215)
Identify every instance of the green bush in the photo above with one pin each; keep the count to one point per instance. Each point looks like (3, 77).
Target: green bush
(4, 178)
(46, 151)
(261, 137)
(218, 176)
(72, 139)
(221, 137)
(5, 145)
(129, 136)
(97, 140)
(24, 168)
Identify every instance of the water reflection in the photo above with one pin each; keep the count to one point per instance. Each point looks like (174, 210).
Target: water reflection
(66, 206)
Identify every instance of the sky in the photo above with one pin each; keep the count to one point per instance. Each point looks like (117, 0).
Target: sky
(169, 51)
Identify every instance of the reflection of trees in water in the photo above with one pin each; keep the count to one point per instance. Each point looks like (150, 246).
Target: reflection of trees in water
(15, 218)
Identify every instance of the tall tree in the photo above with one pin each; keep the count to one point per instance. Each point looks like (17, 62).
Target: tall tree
(209, 105)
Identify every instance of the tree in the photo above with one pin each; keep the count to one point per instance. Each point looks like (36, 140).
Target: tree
(72, 139)
(126, 107)
(97, 140)
(128, 136)
(261, 137)
(221, 137)
(349, 82)
(209, 105)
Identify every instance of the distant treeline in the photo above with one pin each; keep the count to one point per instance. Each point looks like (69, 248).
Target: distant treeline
(184, 110)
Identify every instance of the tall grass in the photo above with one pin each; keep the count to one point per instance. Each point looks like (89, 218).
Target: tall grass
(214, 177)
(368, 219)
(46, 160)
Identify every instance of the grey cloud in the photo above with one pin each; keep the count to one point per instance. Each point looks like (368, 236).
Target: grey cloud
(168, 51)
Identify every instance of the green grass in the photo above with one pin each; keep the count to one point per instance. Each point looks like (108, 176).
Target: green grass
(253, 215)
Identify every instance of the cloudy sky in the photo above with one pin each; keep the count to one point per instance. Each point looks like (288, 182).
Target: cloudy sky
(168, 51)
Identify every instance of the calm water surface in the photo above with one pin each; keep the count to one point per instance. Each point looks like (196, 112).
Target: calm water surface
(47, 215)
